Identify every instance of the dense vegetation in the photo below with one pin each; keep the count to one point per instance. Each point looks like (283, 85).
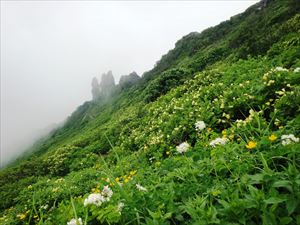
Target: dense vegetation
(209, 136)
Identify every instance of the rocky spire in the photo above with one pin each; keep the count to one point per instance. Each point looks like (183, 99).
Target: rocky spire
(105, 88)
(264, 3)
(95, 88)
(107, 84)
(128, 80)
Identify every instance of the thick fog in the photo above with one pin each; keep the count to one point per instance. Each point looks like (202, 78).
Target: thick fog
(51, 50)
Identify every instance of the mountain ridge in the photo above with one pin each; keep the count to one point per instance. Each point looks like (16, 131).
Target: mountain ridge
(239, 79)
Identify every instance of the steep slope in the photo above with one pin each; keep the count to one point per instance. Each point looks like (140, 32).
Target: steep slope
(149, 145)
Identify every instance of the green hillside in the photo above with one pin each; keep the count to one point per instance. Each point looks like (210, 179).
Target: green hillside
(210, 135)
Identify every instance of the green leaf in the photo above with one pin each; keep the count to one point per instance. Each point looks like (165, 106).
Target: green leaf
(283, 183)
(285, 220)
(274, 200)
(179, 217)
(167, 215)
(264, 162)
(291, 205)
(224, 204)
(257, 178)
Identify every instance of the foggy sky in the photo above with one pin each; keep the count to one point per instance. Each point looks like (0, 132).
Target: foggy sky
(50, 51)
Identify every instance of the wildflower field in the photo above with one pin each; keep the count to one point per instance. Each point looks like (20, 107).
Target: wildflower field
(207, 137)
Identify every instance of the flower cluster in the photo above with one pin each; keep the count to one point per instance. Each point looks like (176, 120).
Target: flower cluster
(199, 125)
(94, 199)
(98, 198)
(75, 222)
(126, 178)
(297, 70)
(218, 141)
(281, 92)
(120, 207)
(288, 139)
(107, 193)
(280, 69)
(249, 119)
(183, 147)
(140, 187)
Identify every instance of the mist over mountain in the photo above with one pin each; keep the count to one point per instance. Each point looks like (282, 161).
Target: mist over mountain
(50, 51)
(209, 135)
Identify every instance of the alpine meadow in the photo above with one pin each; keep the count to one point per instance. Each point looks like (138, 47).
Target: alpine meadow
(210, 135)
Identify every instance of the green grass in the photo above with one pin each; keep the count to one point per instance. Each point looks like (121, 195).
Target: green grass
(129, 143)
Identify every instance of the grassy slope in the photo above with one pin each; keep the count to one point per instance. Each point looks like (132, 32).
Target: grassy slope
(215, 76)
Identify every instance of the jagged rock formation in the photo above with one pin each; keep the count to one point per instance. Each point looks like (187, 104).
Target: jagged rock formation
(107, 84)
(105, 88)
(264, 3)
(95, 88)
(128, 80)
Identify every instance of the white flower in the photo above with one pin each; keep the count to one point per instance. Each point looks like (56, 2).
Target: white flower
(288, 139)
(218, 141)
(120, 207)
(183, 147)
(200, 125)
(227, 116)
(107, 193)
(75, 222)
(94, 199)
(140, 187)
(265, 76)
(240, 123)
(279, 68)
(297, 70)
(270, 82)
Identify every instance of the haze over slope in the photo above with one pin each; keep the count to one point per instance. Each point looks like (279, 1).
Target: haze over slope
(209, 135)
(51, 50)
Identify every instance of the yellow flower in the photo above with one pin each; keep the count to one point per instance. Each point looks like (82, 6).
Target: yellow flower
(273, 137)
(209, 129)
(21, 216)
(55, 189)
(168, 153)
(126, 180)
(216, 192)
(133, 172)
(96, 190)
(251, 145)
(117, 179)
(231, 136)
